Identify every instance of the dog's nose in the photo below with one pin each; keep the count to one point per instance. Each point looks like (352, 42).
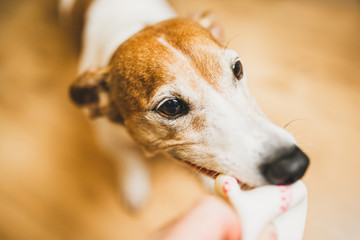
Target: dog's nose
(287, 168)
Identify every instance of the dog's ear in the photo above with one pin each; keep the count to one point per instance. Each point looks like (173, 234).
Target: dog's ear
(208, 20)
(91, 92)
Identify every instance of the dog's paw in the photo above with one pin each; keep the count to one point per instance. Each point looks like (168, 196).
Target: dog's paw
(135, 188)
(207, 182)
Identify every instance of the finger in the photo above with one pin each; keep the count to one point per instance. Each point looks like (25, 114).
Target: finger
(210, 219)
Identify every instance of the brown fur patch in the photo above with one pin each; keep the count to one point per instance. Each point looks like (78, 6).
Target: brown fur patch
(139, 65)
(198, 122)
(194, 41)
(91, 91)
(85, 90)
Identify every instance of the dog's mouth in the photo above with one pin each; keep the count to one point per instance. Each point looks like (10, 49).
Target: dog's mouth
(213, 174)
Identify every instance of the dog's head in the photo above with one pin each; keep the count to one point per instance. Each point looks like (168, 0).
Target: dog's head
(178, 90)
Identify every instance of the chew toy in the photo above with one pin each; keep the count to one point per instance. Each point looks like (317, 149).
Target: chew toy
(284, 206)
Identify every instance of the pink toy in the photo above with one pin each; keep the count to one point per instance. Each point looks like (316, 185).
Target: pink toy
(284, 206)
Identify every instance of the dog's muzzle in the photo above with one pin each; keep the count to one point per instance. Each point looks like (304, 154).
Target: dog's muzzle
(286, 168)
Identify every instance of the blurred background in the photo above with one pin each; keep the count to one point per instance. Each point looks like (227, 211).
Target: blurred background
(303, 62)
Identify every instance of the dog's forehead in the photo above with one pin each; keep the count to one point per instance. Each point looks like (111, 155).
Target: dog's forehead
(154, 56)
(193, 48)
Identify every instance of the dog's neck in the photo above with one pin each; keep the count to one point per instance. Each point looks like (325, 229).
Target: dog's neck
(111, 22)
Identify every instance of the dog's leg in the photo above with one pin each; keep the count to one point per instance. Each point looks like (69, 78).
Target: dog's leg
(133, 174)
(134, 179)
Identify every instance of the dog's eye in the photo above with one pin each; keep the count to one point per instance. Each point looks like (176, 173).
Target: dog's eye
(172, 108)
(238, 70)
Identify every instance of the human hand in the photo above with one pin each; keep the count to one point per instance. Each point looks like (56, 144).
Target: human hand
(210, 219)
(282, 207)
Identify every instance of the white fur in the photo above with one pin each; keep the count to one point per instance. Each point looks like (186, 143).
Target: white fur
(237, 133)
(134, 179)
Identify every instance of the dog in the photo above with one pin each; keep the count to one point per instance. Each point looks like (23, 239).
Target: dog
(154, 83)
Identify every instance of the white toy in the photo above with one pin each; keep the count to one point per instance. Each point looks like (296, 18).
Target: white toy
(284, 206)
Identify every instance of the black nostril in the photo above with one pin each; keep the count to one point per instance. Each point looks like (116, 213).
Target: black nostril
(287, 168)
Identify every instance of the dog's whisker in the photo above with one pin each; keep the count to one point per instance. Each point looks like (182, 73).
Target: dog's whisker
(292, 121)
(309, 145)
(231, 39)
(299, 137)
(194, 171)
(169, 146)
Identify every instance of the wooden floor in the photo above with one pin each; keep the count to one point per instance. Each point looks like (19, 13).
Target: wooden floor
(303, 62)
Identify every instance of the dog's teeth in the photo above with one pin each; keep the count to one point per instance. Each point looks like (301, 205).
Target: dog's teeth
(244, 186)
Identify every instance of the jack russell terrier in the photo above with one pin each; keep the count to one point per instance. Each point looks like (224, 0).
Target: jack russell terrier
(162, 84)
